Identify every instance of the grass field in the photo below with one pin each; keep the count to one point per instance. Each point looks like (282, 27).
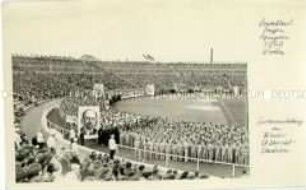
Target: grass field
(226, 111)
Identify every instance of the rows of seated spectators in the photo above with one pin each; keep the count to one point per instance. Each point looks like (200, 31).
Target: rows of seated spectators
(60, 76)
(89, 61)
(52, 85)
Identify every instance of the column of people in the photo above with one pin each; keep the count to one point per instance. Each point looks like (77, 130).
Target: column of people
(157, 137)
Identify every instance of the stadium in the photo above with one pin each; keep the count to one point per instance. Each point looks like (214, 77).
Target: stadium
(169, 121)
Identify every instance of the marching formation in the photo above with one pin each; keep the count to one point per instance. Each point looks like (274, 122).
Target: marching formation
(159, 138)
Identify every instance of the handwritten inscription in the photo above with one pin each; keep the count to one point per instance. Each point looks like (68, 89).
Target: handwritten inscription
(275, 141)
(285, 121)
(274, 35)
(275, 137)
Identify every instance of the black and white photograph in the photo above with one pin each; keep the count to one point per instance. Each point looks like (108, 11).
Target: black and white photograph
(152, 121)
(156, 94)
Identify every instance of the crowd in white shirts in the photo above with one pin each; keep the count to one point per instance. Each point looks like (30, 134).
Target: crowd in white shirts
(159, 138)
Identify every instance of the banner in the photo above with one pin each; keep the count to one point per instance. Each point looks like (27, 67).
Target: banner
(98, 91)
(150, 89)
(236, 90)
(89, 119)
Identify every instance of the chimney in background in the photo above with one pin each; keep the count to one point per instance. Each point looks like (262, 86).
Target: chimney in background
(211, 55)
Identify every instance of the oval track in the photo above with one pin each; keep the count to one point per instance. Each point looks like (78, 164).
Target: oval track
(31, 123)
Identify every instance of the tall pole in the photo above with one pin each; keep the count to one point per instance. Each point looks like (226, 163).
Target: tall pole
(211, 55)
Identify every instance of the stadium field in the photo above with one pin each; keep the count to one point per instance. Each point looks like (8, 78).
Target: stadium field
(199, 110)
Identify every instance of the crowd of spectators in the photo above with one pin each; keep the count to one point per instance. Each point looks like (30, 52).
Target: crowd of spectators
(43, 159)
(51, 77)
(36, 160)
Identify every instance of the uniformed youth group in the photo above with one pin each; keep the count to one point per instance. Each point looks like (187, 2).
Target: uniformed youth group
(156, 138)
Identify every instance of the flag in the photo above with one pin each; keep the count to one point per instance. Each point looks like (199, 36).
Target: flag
(148, 57)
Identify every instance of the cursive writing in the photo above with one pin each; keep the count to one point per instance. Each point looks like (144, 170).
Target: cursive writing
(274, 35)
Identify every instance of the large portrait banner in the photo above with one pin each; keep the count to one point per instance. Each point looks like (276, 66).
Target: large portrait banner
(89, 120)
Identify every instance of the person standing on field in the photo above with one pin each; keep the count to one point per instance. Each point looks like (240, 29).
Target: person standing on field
(112, 145)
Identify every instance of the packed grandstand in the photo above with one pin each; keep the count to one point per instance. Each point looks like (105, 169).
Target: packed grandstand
(151, 147)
